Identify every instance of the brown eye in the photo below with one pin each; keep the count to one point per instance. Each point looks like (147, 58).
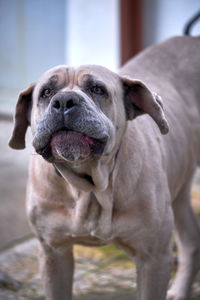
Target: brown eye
(97, 90)
(46, 93)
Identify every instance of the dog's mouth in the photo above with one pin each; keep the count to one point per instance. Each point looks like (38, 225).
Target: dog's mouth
(71, 146)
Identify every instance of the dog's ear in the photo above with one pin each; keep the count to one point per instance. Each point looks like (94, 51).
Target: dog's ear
(21, 121)
(138, 100)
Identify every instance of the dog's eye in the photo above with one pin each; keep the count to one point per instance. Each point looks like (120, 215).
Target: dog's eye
(97, 90)
(46, 93)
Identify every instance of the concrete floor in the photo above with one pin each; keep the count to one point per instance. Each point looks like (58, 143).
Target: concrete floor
(13, 177)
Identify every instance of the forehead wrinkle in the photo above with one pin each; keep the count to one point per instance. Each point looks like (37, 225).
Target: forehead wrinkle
(79, 76)
(90, 79)
(56, 79)
(53, 79)
(71, 77)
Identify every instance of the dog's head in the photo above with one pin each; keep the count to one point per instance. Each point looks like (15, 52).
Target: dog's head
(79, 115)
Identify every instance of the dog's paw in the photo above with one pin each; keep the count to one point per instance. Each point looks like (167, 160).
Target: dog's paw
(170, 296)
(173, 296)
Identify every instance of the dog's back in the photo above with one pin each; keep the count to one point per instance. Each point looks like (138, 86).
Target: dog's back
(172, 69)
(169, 62)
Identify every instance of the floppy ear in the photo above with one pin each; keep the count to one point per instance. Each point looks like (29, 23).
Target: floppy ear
(138, 100)
(21, 122)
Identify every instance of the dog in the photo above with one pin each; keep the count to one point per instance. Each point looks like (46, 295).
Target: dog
(114, 157)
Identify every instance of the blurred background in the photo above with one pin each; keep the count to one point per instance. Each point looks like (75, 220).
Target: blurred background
(39, 34)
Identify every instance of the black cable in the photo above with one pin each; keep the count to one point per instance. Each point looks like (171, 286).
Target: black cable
(190, 23)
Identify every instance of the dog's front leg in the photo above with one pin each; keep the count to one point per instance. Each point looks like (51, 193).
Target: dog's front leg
(57, 273)
(153, 275)
(104, 226)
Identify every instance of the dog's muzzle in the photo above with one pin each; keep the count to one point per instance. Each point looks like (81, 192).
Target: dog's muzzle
(71, 130)
(71, 146)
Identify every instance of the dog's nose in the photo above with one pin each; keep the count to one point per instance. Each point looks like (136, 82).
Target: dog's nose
(63, 103)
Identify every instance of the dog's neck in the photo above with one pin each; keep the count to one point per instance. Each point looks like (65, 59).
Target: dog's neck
(96, 189)
(95, 177)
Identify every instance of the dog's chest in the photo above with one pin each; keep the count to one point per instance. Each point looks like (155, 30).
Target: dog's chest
(90, 216)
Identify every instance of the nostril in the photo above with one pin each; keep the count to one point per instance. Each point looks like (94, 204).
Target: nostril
(63, 105)
(56, 104)
(69, 104)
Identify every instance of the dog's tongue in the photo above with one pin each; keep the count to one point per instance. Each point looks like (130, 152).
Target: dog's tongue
(70, 145)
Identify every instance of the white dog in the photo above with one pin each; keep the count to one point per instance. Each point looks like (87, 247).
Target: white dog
(108, 171)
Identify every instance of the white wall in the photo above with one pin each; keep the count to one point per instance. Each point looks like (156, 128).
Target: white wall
(93, 32)
(166, 18)
(32, 40)
(39, 34)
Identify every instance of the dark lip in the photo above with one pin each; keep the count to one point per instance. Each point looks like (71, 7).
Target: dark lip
(97, 148)
(45, 152)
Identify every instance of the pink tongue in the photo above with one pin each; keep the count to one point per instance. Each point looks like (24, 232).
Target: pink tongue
(71, 145)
